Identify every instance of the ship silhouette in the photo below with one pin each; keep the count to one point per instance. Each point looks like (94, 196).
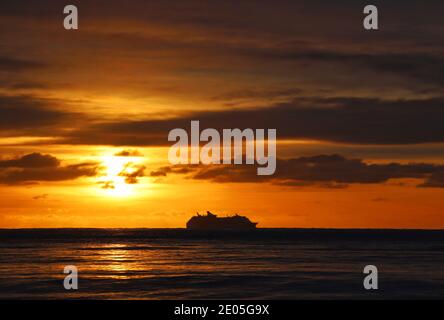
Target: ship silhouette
(213, 222)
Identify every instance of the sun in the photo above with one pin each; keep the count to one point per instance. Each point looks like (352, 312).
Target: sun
(115, 182)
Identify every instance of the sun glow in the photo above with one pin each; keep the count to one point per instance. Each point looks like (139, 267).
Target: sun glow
(116, 181)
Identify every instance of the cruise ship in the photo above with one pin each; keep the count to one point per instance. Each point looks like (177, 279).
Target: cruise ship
(211, 221)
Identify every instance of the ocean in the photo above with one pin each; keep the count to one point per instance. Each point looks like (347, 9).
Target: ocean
(185, 264)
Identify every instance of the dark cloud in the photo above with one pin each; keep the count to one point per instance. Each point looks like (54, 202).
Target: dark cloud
(128, 153)
(107, 184)
(179, 169)
(32, 160)
(424, 67)
(347, 120)
(35, 167)
(228, 36)
(161, 172)
(435, 180)
(329, 171)
(27, 115)
(16, 65)
(241, 43)
(40, 196)
(257, 93)
(23, 85)
(132, 172)
(338, 169)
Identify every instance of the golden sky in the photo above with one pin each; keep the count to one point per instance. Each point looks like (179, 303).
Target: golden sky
(85, 114)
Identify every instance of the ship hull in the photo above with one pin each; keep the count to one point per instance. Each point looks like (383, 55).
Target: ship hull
(220, 226)
(213, 222)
